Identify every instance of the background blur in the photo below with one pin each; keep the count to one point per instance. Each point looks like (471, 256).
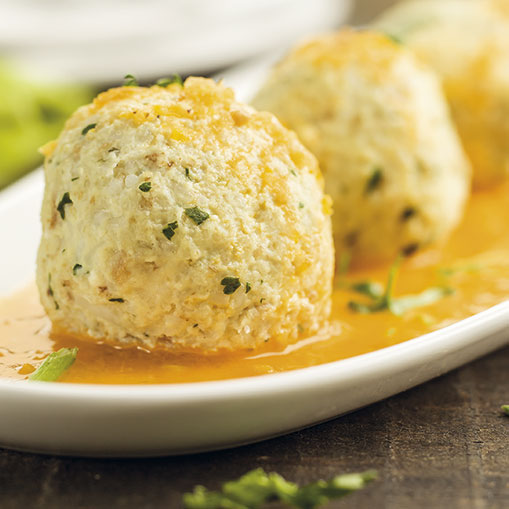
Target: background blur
(57, 54)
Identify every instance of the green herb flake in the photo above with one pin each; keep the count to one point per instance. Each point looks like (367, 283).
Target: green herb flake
(257, 487)
(371, 289)
(385, 301)
(188, 175)
(76, 268)
(50, 292)
(145, 187)
(74, 178)
(293, 173)
(374, 181)
(88, 128)
(231, 284)
(248, 287)
(164, 82)
(130, 81)
(66, 200)
(505, 409)
(196, 214)
(301, 205)
(407, 213)
(169, 231)
(55, 365)
(117, 299)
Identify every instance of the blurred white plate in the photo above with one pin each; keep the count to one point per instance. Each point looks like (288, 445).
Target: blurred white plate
(99, 41)
(94, 420)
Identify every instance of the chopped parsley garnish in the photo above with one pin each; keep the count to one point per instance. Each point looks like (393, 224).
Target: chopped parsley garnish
(407, 213)
(169, 231)
(374, 181)
(66, 200)
(55, 365)
(231, 284)
(301, 205)
(248, 287)
(88, 128)
(117, 299)
(164, 82)
(372, 289)
(76, 268)
(130, 81)
(383, 300)
(505, 409)
(197, 215)
(74, 178)
(293, 173)
(50, 292)
(188, 174)
(145, 187)
(257, 487)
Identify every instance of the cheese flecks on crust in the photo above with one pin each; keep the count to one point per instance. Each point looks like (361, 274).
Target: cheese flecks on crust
(182, 224)
(379, 125)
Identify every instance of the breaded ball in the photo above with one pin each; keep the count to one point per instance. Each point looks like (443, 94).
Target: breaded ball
(379, 125)
(177, 217)
(467, 43)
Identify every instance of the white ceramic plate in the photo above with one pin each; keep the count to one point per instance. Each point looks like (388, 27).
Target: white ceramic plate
(95, 420)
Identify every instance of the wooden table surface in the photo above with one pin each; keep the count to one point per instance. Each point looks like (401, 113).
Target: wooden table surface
(443, 444)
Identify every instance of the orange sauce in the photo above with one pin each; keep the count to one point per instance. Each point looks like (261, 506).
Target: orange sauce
(478, 253)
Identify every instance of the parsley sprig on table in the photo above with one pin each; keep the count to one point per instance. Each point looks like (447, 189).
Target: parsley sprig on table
(257, 487)
(383, 299)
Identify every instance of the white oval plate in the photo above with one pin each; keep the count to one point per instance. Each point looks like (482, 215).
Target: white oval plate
(153, 420)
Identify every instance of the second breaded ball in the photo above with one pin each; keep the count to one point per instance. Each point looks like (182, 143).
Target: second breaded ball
(177, 217)
(467, 43)
(377, 120)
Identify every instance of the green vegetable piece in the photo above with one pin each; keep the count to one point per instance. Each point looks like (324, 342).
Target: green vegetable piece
(117, 299)
(55, 365)
(248, 287)
(197, 215)
(384, 300)
(74, 178)
(164, 82)
(505, 409)
(169, 231)
(145, 187)
(66, 200)
(130, 81)
(374, 181)
(76, 268)
(301, 205)
(257, 487)
(88, 128)
(188, 176)
(231, 284)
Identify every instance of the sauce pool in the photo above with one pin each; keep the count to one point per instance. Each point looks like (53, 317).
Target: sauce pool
(474, 262)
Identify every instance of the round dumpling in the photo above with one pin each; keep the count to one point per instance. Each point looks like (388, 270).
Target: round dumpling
(467, 43)
(377, 120)
(176, 217)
